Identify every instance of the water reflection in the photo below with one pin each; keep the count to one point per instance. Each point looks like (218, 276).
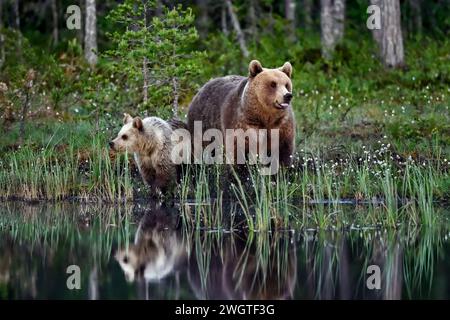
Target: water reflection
(158, 252)
(157, 249)
(143, 252)
(330, 266)
(240, 267)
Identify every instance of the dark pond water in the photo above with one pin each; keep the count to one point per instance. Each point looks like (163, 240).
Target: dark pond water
(139, 252)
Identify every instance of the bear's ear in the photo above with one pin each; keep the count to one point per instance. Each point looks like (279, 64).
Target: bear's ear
(254, 68)
(137, 123)
(127, 118)
(287, 68)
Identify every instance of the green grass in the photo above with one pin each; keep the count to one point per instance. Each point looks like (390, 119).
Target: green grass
(396, 189)
(52, 173)
(393, 192)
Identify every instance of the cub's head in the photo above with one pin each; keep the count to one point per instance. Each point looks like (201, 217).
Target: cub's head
(271, 87)
(129, 262)
(130, 137)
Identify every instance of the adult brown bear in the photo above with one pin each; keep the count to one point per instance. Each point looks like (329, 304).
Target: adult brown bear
(260, 101)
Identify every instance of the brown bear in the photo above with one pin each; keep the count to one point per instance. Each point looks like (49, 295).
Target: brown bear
(150, 139)
(259, 101)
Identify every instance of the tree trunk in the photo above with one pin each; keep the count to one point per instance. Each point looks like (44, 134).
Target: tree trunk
(90, 35)
(223, 19)
(271, 20)
(392, 40)
(2, 39)
(203, 19)
(252, 19)
(237, 29)
(290, 15)
(416, 10)
(307, 13)
(55, 22)
(16, 14)
(376, 33)
(145, 78)
(431, 15)
(159, 8)
(17, 25)
(80, 32)
(145, 62)
(332, 18)
(176, 95)
(389, 38)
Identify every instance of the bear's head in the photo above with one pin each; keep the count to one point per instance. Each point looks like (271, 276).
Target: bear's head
(131, 137)
(272, 88)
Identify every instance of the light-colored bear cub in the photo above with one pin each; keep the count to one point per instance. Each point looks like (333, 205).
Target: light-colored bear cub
(150, 141)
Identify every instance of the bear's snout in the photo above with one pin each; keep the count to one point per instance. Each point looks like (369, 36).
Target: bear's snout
(111, 145)
(287, 97)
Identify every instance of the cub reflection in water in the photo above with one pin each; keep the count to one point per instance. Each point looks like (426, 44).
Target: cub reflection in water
(158, 249)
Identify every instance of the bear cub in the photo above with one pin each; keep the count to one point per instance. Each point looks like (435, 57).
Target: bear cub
(150, 141)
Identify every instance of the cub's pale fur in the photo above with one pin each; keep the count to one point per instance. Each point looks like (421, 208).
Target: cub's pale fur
(150, 141)
(157, 251)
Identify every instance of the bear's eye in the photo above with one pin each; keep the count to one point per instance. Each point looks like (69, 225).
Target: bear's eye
(124, 137)
(273, 84)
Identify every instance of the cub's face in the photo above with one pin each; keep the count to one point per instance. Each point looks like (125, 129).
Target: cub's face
(129, 136)
(271, 87)
(128, 261)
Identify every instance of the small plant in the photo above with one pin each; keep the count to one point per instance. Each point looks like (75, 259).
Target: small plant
(154, 51)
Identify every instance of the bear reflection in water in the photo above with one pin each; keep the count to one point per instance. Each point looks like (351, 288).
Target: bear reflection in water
(239, 269)
(224, 267)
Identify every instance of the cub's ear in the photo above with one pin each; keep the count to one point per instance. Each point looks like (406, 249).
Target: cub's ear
(127, 118)
(254, 68)
(287, 68)
(137, 123)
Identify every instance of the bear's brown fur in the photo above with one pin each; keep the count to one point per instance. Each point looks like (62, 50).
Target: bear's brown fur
(259, 101)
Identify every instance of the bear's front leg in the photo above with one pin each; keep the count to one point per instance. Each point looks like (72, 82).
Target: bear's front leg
(287, 147)
(161, 182)
(165, 180)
